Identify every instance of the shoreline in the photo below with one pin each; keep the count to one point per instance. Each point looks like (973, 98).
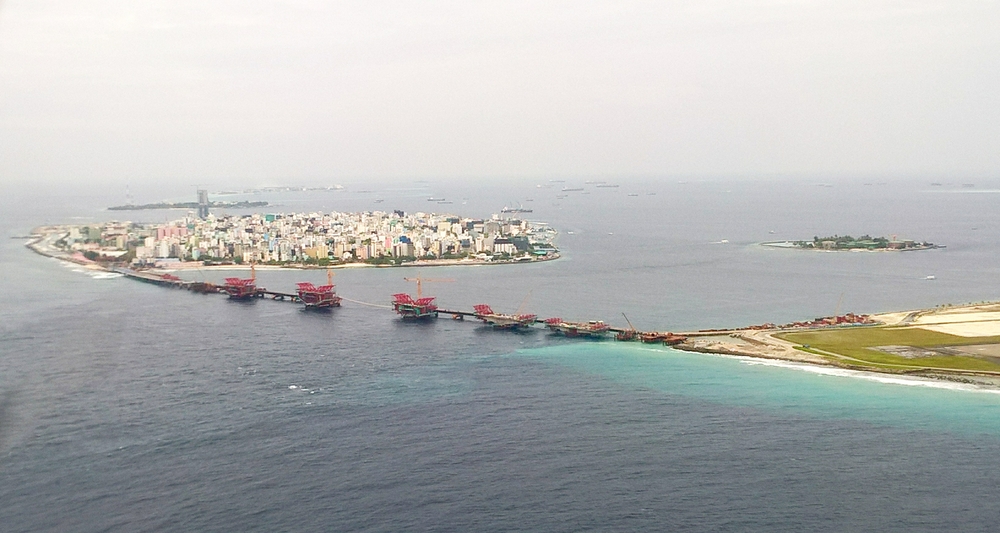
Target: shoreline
(194, 265)
(748, 343)
(40, 241)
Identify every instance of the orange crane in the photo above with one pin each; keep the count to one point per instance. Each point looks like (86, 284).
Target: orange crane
(420, 281)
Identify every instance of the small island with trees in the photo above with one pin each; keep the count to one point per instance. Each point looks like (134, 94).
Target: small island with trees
(862, 243)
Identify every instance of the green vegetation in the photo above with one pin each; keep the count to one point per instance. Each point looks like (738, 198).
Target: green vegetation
(858, 343)
(864, 242)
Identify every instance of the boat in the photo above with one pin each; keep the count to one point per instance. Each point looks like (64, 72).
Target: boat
(593, 328)
(503, 321)
(411, 309)
(607, 186)
(572, 189)
(518, 209)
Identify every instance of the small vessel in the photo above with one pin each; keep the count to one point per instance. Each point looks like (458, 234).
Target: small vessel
(608, 186)
(518, 209)
(503, 321)
(593, 328)
(931, 277)
(572, 189)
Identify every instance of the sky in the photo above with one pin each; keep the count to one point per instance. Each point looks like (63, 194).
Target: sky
(316, 91)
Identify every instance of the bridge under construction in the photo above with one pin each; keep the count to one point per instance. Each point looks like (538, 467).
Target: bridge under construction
(421, 308)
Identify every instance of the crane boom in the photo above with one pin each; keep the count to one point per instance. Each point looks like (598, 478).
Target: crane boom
(630, 326)
(420, 281)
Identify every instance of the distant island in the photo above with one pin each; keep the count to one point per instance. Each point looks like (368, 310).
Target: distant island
(849, 243)
(187, 205)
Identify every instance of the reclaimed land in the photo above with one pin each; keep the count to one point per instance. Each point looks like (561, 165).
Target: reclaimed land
(956, 343)
(859, 347)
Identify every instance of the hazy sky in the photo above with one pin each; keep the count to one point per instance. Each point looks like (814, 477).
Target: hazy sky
(317, 91)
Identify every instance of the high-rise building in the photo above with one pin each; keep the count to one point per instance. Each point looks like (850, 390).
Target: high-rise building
(202, 204)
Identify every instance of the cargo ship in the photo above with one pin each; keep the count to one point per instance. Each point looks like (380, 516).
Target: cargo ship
(503, 321)
(594, 328)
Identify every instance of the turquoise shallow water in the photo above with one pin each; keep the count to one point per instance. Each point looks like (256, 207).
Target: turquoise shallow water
(792, 388)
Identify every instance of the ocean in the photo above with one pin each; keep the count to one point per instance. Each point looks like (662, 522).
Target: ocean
(130, 407)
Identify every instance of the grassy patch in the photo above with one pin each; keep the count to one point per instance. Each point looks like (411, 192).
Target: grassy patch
(858, 343)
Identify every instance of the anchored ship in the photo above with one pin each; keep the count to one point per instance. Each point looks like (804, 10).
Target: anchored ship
(503, 321)
(594, 328)
(518, 209)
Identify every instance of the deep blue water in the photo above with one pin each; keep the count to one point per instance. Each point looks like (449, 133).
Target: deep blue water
(128, 407)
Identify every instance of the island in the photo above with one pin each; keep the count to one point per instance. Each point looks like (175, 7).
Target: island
(958, 343)
(849, 243)
(189, 205)
(303, 240)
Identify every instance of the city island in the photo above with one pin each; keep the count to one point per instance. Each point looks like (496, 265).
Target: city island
(301, 240)
(852, 244)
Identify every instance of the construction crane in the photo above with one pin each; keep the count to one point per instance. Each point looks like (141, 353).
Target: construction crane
(420, 281)
(520, 309)
(629, 334)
